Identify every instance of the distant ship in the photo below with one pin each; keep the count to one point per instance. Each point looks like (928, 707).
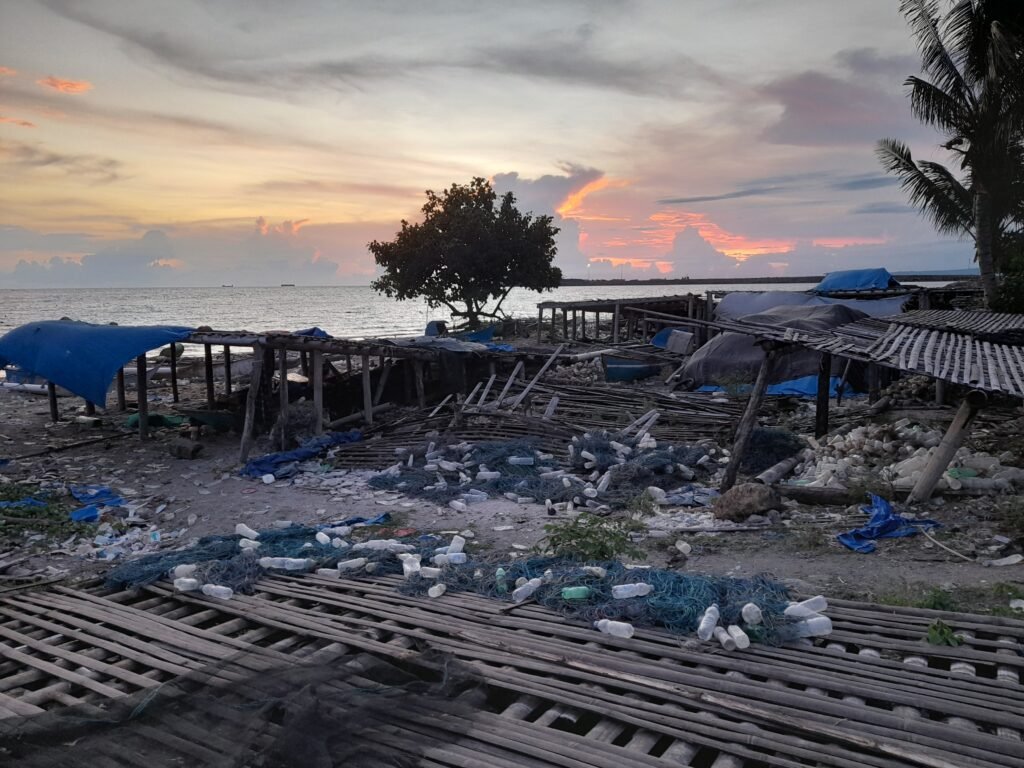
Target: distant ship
(227, 285)
(287, 285)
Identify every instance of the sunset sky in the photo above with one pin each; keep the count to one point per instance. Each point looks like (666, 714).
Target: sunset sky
(259, 142)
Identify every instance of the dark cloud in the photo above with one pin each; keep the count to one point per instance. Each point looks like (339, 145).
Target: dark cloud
(870, 62)
(22, 239)
(751, 192)
(865, 181)
(883, 208)
(95, 168)
(546, 193)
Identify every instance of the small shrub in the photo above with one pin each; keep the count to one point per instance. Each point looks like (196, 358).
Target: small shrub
(590, 538)
(940, 633)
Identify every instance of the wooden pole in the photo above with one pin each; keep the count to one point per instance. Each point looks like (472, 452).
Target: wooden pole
(421, 396)
(385, 372)
(535, 379)
(255, 379)
(211, 397)
(597, 325)
(951, 442)
(282, 417)
(540, 322)
(51, 394)
(842, 382)
(565, 324)
(122, 404)
(873, 384)
(574, 325)
(821, 405)
(367, 391)
(227, 369)
(304, 363)
(318, 390)
(348, 363)
(140, 390)
(748, 421)
(940, 392)
(174, 372)
(554, 326)
(615, 325)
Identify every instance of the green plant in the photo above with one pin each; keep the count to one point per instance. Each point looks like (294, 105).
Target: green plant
(940, 633)
(642, 505)
(590, 538)
(937, 600)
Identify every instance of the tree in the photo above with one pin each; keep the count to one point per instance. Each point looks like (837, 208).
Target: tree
(974, 58)
(472, 248)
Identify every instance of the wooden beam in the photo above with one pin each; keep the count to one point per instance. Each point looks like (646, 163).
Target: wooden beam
(615, 324)
(385, 372)
(421, 396)
(282, 416)
(227, 369)
(947, 449)
(821, 403)
(318, 390)
(255, 379)
(748, 421)
(508, 384)
(211, 396)
(122, 404)
(574, 325)
(367, 391)
(873, 383)
(140, 389)
(541, 372)
(540, 323)
(565, 324)
(51, 395)
(174, 372)
(554, 326)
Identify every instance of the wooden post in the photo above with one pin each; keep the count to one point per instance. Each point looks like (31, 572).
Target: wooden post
(597, 326)
(947, 449)
(255, 379)
(90, 408)
(842, 381)
(140, 390)
(122, 405)
(174, 372)
(385, 372)
(282, 417)
(554, 326)
(874, 390)
(565, 324)
(348, 363)
(540, 322)
(574, 325)
(748, 421)
(421, 397)
(227, 369)
(615, 325)
(51, 394)
(318, 391)
(940, 392)
(304, 363)
(367, 392)
(211, 397)
(821, 404)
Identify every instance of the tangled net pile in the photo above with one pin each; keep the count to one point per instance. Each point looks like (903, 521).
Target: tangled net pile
(607, 469)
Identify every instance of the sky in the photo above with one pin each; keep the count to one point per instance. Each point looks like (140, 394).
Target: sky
(254, 142)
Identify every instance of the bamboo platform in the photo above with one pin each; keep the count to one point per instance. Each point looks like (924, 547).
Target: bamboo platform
(554, 693)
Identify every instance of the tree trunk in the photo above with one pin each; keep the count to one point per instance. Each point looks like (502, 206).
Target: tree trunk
(983, 236)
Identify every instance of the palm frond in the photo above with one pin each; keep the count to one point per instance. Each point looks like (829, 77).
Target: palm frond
(936, 193)
(936, 107)
(936, 59)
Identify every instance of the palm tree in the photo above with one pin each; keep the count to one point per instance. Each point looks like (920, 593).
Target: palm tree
(974, 58)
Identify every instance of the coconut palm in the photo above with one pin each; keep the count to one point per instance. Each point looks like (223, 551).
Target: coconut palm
(974, 61)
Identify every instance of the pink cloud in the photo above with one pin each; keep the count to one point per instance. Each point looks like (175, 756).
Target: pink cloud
(7, 72)
(17, 121)
(65, 86)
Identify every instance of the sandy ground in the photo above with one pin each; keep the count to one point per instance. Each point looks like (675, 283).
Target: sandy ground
(187, 499)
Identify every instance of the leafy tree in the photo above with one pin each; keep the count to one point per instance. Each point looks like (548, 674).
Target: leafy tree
(472, 248)
(974, 61)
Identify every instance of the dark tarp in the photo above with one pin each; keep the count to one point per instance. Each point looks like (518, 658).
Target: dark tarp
(82, 357)
(734, 358)
(738, 304)
(877, 279)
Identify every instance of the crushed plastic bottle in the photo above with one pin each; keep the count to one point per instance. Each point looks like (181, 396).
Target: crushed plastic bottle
(457, 545)
(323, 538)
(185, 569)
(815, 626)
(615, 628)
(751, 614)
(708, 622)
(248, 544)
(738, 636)
(216, 590)
(440, 560)
(437, 590)
(624, 591)
(456, 558)
(810, 607)
(244, 530)
(521, 461)
(430, 573)
(595, 570)
(524, 592)
(352, 565)
(410, 564)
(185, 584)
(329, 573)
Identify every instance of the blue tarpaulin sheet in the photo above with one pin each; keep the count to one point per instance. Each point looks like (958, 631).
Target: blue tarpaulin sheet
(316, 333)
(269, 464)
(883, 524)
(480, 337)
(82, 357)
(97, 496)
(28, 501)
(877, 279)
(805, 386)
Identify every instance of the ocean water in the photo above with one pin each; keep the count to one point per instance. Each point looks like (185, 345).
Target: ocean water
(341, 311)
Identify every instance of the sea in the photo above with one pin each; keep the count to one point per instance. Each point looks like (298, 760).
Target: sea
(347, 311)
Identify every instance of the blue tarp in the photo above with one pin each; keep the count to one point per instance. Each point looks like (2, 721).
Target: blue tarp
(97, 496)
(316, 333)
(661, 338)
(28, 501)
(269, 464)
(805, 386)
(82, 357)
(884, 524)
(877, 279)
(743, 303)
(482, 336)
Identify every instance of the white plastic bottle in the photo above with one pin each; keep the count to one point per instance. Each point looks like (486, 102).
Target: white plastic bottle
(722, 636)
(437, 590)
(248, 544)
(815, 626)
(708, 622)
(615, 628)
(272, 562)
(244, 530)
(323, 538)
(526, 590)
(457, 545)
(352, 565)
(623, 591)
(807, 608)
(430, 573)
(410, 564)
(751, 614)
(456, 558)
(185, 584)
(738, 636)
(216, 590)
(329, 573)
(183, 570)
(297, 564)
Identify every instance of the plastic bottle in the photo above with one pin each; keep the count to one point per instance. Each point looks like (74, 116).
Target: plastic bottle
(440, 560)
(437, 590)
(738, 636)
(526, 591)
(297, 564)
(183, 570)
(248, 544)
(272, 562)
(457, 545)
(323, 538)
(807, 608)
(499, 581)
(521, 461)
(244, 530)
(595, 570)
(430, 573)
(576, 593)
(329, 573)
(725, 639)
(615, 628)
(351, 565)
(708, 621)
(340, 544)
(410, 564)
(216, 590)
(456, 558)
(815, 626)
(624, 591)
(185, 584)
(458, 506)
(751, 614)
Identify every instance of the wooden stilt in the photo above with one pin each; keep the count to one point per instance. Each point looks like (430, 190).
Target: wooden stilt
(821, 404)
(385, 372)
(140, 390)
(748, 421)
(554, 326)
(842, 382)
(947, 449)
(282, 416)
(565, 324)
(421, 396)
(367, 392)
(211, 396)
(122, 404)
(318, 390)
(597, 326)
(615, 324)
(940, 392)
(574, 325)
(873, 383)
(174, 372)
(304, 363)
(348, 363)
(255, 380)
(227, 369)
(51, 395)
(540, 323)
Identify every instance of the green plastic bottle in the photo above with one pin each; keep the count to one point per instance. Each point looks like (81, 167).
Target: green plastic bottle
(576, 593)
(499, 577)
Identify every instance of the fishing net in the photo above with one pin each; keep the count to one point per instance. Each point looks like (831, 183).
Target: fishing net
(768, 446)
